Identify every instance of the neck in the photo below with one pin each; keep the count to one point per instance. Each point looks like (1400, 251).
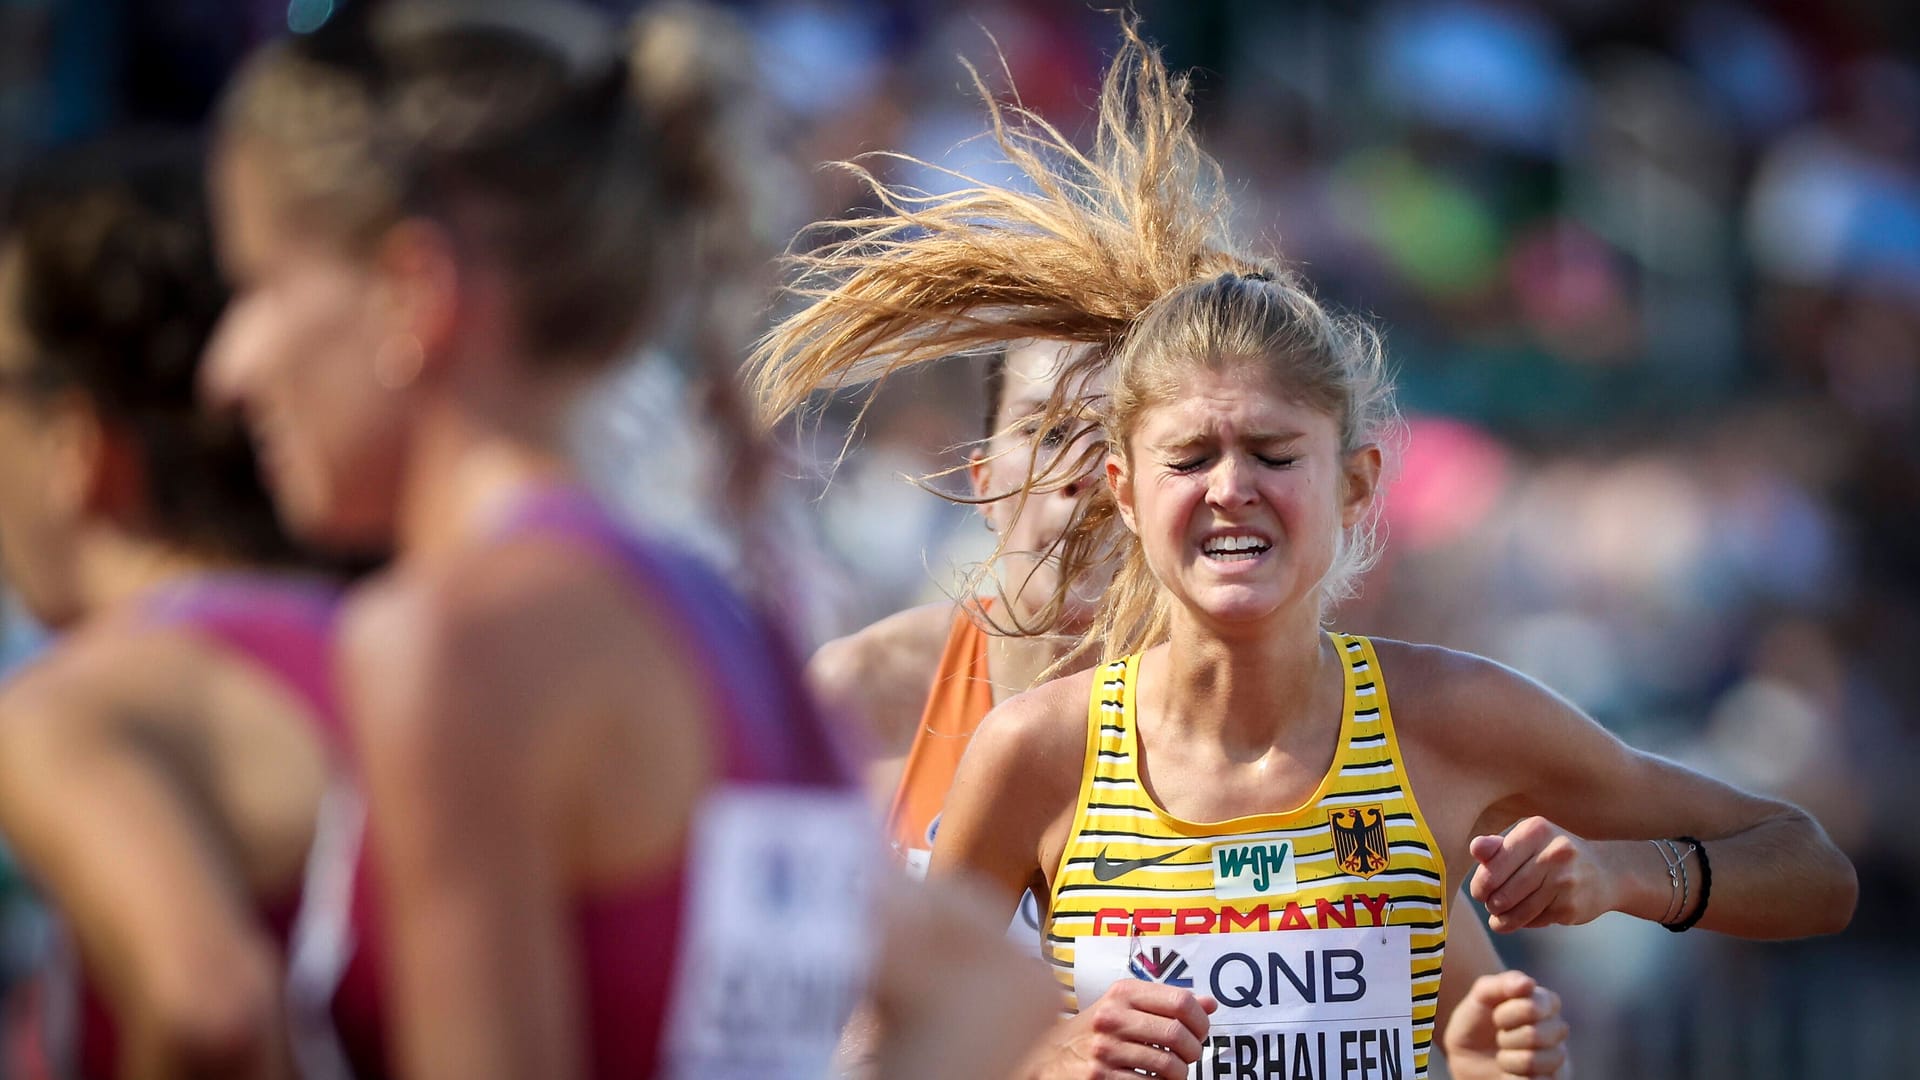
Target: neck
(1248, 690)
(116, 567)
(472, 453)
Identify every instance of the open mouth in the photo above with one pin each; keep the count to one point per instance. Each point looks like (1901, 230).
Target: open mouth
(1235, 547)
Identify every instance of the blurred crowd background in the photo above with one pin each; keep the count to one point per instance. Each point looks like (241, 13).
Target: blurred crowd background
(1650, 273)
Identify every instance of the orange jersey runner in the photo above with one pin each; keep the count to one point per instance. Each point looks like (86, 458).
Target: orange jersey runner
(961, 697)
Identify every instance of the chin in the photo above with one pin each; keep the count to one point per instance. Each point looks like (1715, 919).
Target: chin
(1239, 607)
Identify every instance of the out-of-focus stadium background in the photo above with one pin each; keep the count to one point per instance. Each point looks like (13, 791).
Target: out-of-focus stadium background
(1651, 277)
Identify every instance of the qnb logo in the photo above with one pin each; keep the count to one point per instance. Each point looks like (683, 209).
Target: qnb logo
(1160, 966)
(1242, 981)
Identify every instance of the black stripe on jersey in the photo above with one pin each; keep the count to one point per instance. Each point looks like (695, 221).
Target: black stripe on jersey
(1074, 914)
(1122, 806)
(1421, 925)
(1116, 781)
(1422, 999)
(1392, 789)
(1438, 948)
(1117, 755)
(1418, 872)
(1423, 1044)
(1366, 765)
(1123, 833)
(1357, 687)
(1148, 890)
(1116, 729)
(1401, 818)
(1366, 714)
(1409, 845)
(1059, 963)
(1107, 703)
(1367, 740)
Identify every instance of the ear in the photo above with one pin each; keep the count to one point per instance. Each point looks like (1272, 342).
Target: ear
(1361, 483)
(93, 470)
(421, 269)
(977, 480)
(1120, 482)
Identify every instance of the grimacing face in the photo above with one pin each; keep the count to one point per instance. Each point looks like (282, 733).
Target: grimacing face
(296, 353)
(1239, 495)
(1030, 528)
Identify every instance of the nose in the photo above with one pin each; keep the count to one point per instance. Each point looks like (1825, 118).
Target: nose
(1230, 482)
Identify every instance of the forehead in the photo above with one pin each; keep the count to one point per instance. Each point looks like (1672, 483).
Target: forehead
(1240, 401)
(1032, 369)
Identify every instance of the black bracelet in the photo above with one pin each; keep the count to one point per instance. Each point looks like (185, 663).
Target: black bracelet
(1706, 888)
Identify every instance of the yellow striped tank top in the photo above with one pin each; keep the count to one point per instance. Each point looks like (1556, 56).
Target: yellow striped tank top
(1320, 929)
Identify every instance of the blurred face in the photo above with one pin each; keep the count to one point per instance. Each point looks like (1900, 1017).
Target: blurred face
(297, 353)
(1239, 495)
(39, 459)
(1031, 528)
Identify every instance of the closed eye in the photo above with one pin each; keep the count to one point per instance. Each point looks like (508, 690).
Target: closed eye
(1275, 462)
(1189, 465)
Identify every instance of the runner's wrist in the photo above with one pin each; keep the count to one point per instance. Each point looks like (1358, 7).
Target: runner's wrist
(1637, 878)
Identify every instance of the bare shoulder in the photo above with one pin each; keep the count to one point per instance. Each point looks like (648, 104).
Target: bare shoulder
(80, 681)
(1042, 732)
(497, 632)
(1440, 694)
(879, 675)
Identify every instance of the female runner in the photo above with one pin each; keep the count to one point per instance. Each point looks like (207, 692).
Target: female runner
(606, 835)
(1222, 815)
(947, 666)
(161, 765)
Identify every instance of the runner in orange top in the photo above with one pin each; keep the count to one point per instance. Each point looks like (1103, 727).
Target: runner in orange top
(919, 681)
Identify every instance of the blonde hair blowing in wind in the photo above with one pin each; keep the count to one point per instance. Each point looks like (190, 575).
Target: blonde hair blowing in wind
(1137, 227)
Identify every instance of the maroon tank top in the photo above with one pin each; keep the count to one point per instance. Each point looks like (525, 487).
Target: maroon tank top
(627, 939)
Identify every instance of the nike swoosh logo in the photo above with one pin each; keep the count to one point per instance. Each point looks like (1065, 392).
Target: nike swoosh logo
(1105, 869)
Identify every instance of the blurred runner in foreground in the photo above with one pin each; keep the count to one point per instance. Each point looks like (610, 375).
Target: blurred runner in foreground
(606, 835)
(162, 764)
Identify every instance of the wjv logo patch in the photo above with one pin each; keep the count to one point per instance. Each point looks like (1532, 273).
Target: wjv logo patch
(1160, 966)
(1260, 868)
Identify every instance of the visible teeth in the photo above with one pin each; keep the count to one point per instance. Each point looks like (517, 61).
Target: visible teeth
(1227, 545)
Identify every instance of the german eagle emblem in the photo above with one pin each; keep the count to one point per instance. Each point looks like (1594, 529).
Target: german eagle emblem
(1360, 839)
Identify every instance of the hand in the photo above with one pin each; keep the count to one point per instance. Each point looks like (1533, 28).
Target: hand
(1507, 1026)
(1136, 1027)
(1538, 874)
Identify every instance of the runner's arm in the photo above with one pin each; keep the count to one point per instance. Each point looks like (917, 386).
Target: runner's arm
(102, 815)
(1011, 803)
(876, 680)
(1579, 806)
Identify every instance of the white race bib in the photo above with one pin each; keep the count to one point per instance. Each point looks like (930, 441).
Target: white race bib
(776, 937)
(1317, 1004)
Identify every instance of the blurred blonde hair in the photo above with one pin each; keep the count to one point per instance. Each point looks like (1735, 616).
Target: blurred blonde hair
(1127, 248)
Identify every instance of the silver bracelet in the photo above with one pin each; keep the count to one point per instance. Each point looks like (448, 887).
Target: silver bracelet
(1673, 879)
